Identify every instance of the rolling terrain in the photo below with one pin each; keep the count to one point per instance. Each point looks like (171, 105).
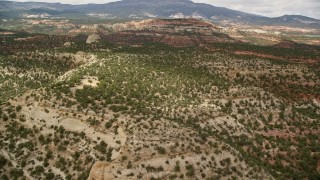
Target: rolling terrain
(143, 89)
(157, 99)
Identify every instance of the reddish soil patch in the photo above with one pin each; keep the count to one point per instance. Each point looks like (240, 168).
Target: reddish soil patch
(130, 38)
(277, 133)
(171, 39)
(178, 41)
(256, 54)
(309, 61)
(309, 96)
(286, 44)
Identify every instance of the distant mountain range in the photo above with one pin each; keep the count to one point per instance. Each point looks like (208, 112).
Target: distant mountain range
(142, 9)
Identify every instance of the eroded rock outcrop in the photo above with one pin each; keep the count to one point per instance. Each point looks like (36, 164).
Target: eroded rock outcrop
(93, 38)
(98, 171)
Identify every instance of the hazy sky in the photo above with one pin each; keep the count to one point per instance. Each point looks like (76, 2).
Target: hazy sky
(269, 8)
